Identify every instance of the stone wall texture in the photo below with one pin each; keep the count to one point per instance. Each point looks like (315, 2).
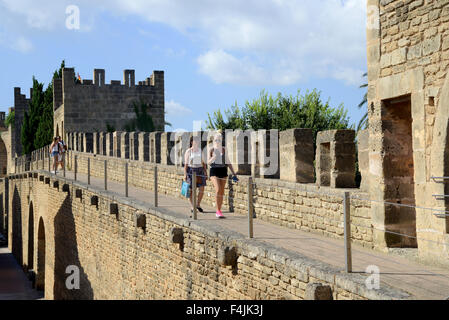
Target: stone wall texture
(125, 250)
(297, 206)
(408, 59)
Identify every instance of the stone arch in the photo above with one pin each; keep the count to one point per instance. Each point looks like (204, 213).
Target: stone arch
(17, 236)
(41, 256)
(3, 159)
(31, 237)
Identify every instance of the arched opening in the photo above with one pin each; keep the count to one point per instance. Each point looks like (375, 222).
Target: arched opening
(57, 130)
(17, 236)
(3, 159)
(40, 276)
(31, 238)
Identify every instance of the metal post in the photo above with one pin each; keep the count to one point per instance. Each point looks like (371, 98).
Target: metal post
(88, 170)
(250, 208)
(193, 195)
(155, 186)
(126, 179)
(347, 232)
(76, 166)
(64, 163)
(105, 175)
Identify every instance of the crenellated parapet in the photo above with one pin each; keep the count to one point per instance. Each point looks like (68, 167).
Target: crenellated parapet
(286, 155)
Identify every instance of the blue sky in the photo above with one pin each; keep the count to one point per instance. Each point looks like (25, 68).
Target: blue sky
(213, 52)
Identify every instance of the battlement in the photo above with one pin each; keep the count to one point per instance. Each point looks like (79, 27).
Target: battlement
(286, 155)
(156, 79)
(19, 97)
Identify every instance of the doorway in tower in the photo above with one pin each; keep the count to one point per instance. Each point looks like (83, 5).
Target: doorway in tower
(398, 170)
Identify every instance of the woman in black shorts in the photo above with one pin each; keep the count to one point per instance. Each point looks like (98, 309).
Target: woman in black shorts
(219, 163)
(194, 163)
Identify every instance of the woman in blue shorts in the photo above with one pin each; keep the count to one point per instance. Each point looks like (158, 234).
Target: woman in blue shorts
(55, 150)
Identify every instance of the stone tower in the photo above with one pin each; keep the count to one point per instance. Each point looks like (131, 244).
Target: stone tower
(92, 105)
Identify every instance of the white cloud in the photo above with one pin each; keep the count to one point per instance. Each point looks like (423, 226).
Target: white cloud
(272, 41)
(175, 109)
(245, 42)
(22, 44)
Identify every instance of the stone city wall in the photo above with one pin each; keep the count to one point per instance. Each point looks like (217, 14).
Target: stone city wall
(125, 250)
(294, 205)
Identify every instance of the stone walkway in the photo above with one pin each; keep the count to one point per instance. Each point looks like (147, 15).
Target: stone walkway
(14, 285)
(421, 281)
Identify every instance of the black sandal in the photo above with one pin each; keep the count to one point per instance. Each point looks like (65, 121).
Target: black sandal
(199, 209)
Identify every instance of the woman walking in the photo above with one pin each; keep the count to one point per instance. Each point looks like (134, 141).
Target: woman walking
(194, 163)
(219, 163)
(55, 150)
(63, 148)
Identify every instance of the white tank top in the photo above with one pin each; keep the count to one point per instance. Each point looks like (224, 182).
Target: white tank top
(195, 159)
(55, 147)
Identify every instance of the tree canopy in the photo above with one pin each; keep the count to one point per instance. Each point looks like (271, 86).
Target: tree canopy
(37, 128)
(282, 113)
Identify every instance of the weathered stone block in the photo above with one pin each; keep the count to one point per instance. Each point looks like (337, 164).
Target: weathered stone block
(133, 146)
(155, 147)
(335, 158)
(102, 143)
(144, 146)
(296, 155)
(116, 136)
(96, 142)
(265, 154)
(363, 157)
(167, 145)
(182, 143)
(238, 148)
(109, 144)
(124, 145)
(318, 291)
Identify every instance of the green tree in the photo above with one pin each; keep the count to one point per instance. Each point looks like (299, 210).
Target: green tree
(37, 127)
(32, 117)
(10, 118)
(282, 113)
(143, 121)
(363, 123)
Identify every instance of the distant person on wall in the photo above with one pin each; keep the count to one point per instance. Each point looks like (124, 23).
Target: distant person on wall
(193, 160)
(55, 150)
(219, 163)
(63, 148)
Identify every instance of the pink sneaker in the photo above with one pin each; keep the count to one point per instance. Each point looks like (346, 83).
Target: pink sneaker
(219, 215)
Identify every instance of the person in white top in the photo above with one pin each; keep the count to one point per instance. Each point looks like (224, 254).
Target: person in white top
(55, 150)
(193, 160)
